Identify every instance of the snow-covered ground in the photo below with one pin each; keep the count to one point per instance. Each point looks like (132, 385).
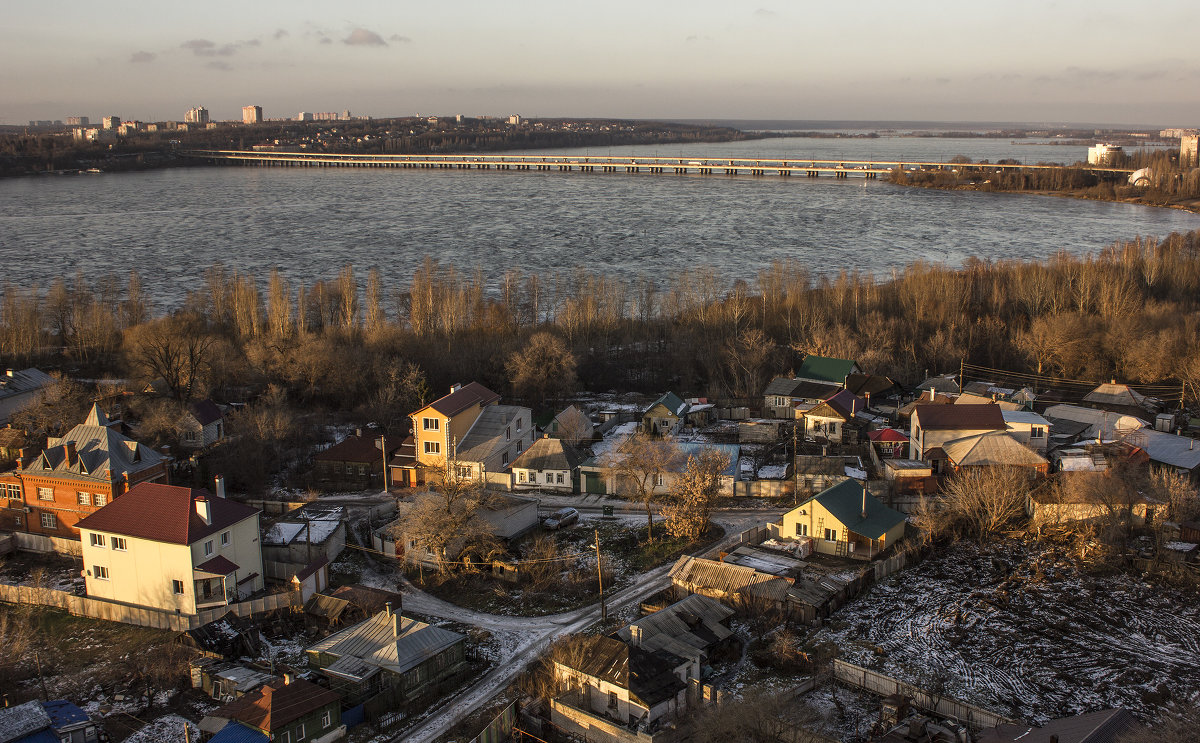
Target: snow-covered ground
(165, 729)
(1021, 630)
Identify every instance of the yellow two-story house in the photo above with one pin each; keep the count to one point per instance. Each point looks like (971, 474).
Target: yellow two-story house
(172, 548)
(471, 428)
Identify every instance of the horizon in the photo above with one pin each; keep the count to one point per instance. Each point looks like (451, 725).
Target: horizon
(1067, 62)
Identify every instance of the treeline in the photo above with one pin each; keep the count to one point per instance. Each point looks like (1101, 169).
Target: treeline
(1131, 312)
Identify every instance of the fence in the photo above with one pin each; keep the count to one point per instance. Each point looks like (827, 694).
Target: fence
(40, 543)
(7, 544)
(764, 488)
(974, 717)
(114, 611)
(274, 507)
(499, 728)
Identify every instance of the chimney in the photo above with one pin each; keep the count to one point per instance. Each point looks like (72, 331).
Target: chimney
(288, 678)
(10, 372)
(388, 606)
(219, 483)
(864, 511)
(397, 620)
(202, 508)
(69, 447)
(455, 388)
(358, 433)
(932, 394)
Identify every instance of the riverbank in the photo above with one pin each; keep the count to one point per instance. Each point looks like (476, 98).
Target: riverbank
(1190, 205)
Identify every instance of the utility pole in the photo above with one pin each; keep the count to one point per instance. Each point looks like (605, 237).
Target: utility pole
(383, 446)
(600, 578)
(961, 365)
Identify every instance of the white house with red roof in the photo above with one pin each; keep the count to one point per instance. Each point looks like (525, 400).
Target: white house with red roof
(178, 549)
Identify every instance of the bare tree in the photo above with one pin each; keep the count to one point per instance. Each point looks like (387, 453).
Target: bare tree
(983, 500)
(175, 349)
(445, 522)
(694, 494)
(544, 368)
(640, 466)
(57, 407)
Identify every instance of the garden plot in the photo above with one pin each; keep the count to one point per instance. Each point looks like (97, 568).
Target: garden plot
(1022, 630)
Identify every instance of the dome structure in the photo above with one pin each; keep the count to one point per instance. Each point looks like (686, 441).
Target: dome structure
(1141, 177)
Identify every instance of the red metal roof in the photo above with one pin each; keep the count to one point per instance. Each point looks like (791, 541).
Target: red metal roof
(987, 417)
(165, 513)
(468, 395)
(887, 434)
(219, 565)
(275, 704)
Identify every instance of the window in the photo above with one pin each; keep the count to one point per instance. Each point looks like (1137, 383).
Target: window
(97, 540)
(431, 424)
(518, 425)
(326, 719)
(433, 447)
(48, 521)
(463, 470)
(12, 491)
(1037, 432)
(99, 499)
(560, 478)
(660, 480)
(508, 433)
(99, 572)
(208, 548)
(224, 538)
(300, 732)
(84, 498)
(45, 493)
(18, 520)
(177, 587)
(612, 700)
(119, 544)
(520, 475)
(831, 535)
(504, 460)
(802, 530)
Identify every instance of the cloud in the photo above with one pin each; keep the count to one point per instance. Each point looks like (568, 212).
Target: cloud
(199, 47)
(400, 39)
(209, 48)
(141, 57)
(279, 34)
(251, 42)
(217, 64)
(325, 40)
(765, 13)
(364, 37)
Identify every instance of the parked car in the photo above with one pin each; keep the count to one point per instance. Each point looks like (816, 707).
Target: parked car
(561, 518)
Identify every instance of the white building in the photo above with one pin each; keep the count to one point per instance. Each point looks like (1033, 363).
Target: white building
(197, 115)
(1104, 154)
(172, 548)
(1028, 428)
(252, 114)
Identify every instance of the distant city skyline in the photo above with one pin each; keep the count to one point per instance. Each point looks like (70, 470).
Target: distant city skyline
(1065, 61)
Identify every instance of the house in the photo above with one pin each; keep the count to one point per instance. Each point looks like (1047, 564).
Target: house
(826, 370)
(287, 710)
(349, 605)
(1101, 424)
(889, 442)
(904, 412)
(203, 424)
(548, 464)
(934, 425)
(992, 449)
(19, 389)
(508, 516)
(690, 628)
(828, 418)
(816, 473)
(1106, 726)
(392, 663)
(228, 637)
(402, 469)
(665, 416)
(872, 388)
(77, 474)
(970, 398)
(354, 463)
(618, 692)
(783, 394)
(471, 429)
(1121, 398)
(1050, 507)
(572, 425)
(845, 520)
(57, 721)
(1179, 454)
(943, 384)
(601, 477)
(312, 578)
(769, 581)
(172, 548)
(1028, 428)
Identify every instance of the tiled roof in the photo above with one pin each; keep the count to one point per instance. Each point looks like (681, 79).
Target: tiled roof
(219, 565)
(844, 502)
(273, 705)
(887, 434)
(463, 398)
(826, 369)
(549, 454)
(959, 417)
(165, 513)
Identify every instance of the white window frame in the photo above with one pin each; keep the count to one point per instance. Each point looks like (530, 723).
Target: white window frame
(433, 447)
(45, 493)
(326, 719)
(431, 424)
(224, 539)
(100, 572)
(208, 548)
(97, 540)
(300, 733)
(99, 499)
(85, 499)
(49, 521)
(119, 544)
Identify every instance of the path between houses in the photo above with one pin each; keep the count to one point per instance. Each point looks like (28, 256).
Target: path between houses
(537, 633)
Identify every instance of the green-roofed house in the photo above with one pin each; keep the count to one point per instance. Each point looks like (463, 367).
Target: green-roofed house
(827, 370)
(665, 415)
(845, 520)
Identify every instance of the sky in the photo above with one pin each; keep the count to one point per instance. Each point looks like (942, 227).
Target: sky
(934, 60)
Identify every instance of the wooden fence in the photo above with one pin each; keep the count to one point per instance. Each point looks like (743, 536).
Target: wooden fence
(973, 717)
(500, 727)
(114, 611)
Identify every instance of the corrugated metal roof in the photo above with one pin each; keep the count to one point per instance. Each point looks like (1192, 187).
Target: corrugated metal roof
(101, 453)
(1102, 423)
(994, 448)
(376, 641)
(549, 454)
(1167, 448)
(26, 380)
(729, 580)
(826, 369)
(693, 623)
(21, 720)
(486, 436)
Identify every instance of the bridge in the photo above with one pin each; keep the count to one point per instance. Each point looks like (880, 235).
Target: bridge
(870, 169)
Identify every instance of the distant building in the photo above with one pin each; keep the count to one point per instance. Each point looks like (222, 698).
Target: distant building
(304, 116)
(515, 119)
(129, 127)
(197, 115)
(1178, 133)
(19, 390)
(252, 115)
(110, 122)
(1104, 154)
(77, 121)
(1189, 150)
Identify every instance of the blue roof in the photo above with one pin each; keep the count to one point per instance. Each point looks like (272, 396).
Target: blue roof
(236, 732)
(42, 736)
(692, 448)
(63, 713)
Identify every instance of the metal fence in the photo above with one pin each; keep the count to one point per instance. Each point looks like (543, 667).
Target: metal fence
(499, 728)
(873, 681)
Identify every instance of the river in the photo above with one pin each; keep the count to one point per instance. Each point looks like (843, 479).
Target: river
(173, 224)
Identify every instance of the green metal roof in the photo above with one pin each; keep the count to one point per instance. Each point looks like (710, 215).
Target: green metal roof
(671, 402)
(845, 502)
(826, 369)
